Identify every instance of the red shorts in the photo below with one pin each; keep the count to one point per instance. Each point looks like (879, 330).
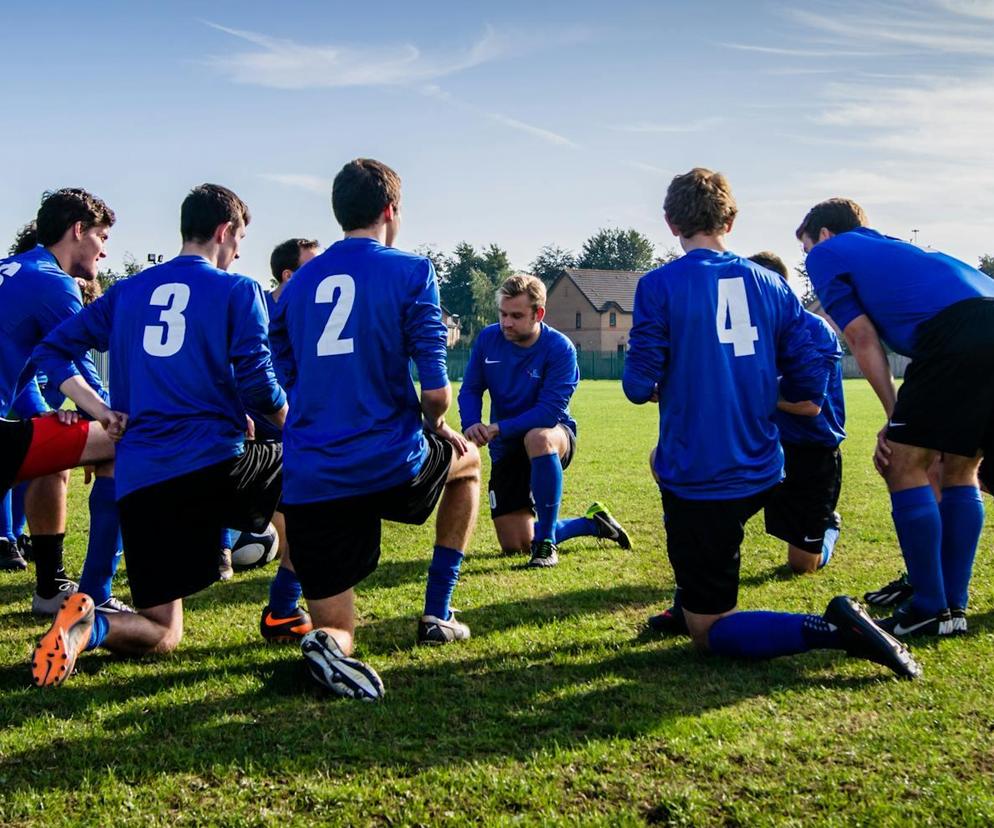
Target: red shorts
(53, 448)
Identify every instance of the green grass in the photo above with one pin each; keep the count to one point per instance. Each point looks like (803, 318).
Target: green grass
(560, 709)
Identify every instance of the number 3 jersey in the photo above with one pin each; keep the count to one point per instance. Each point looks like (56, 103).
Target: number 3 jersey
(713, 331)
(346, 327)
(188, 353)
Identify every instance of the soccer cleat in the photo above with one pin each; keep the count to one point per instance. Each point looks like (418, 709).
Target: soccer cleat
(958, 617)
(896, 592)
(863, 638)
(432, 630)
(286, 630)
(25, 547)
(50, 606)
(225, 570)
(55, 655)
(113, 606)
(670, 622)
(11, 559)
(332, 669)
(906, 621)
(608, 528)
(544, 554)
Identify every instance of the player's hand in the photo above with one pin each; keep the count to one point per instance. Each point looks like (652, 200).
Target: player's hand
(67, 417)
(89, 472)
(654, 396)
(454, 438)
(114, 423)
(249, 428)
(882, 452)
(478, 434)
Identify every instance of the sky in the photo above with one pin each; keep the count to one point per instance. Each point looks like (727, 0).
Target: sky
(519, 123)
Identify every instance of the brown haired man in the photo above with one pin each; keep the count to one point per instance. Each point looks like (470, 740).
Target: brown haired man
(530, 372)
(940, 312)
(711, 333)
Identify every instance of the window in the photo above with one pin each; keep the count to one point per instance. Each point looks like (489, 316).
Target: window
(579, 321)
(621, 347)
(612, 319)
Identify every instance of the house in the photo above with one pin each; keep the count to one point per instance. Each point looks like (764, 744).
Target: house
(453, 330)
(593, 307)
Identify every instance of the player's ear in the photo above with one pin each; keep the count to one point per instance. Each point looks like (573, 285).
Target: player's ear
(728, 226)
(77, 230)
(540, 314)
(673, 228)
(222, 232)
(824, 234)
(285, 275)
(389, 212)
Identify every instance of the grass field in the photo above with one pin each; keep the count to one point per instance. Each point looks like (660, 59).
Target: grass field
(560, 708)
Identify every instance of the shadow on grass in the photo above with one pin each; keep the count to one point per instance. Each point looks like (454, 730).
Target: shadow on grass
(512, 702)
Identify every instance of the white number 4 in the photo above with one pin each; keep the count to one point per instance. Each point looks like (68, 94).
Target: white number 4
(330, 342)
(735, 327)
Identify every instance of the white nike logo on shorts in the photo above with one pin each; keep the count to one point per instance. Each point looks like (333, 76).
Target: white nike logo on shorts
(813, 540)
(892, 424)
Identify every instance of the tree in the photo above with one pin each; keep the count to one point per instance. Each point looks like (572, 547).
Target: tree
(808, 295)
(437, 258)
(615, 249)
(551, 261)
(471, 280)
(670, 254)
(131, 266)
(987, 265)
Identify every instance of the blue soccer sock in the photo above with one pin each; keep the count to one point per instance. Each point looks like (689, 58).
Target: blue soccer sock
(962, 510)
(442, 576)
(103, 551)
(6, 519)
(761, 635)
(919, 531)
(828, 546)
(18, 517)
(101, 626)
(574, 528)
(284, 593)
(547, 489)
(228, 538)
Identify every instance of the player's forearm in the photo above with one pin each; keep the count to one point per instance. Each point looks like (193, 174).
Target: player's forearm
(88, 400)
(278, 418)
(435, 403)
(872, 360)
(805, 408)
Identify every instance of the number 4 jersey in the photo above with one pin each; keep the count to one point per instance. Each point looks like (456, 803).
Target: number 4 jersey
(188, 353)
(713, 331)
(345, 330)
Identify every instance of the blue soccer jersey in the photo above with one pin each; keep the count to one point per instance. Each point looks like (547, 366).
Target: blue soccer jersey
(897, 284)
(829, 427)
(345, 330)
(711, 332)
(35, 296)
(265, 429)
(188, 353)
(529, 387)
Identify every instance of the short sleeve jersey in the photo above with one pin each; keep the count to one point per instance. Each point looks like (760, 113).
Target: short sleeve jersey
(529, 387)
(345, 331)
(712, 331)
(188, 354)
(897, 284)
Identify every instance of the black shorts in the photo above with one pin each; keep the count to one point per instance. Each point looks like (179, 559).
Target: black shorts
(15, 440)
(171, 529)
(946, 402)
(510, 486)
(703, 538)
(802, 507)
(335, 544)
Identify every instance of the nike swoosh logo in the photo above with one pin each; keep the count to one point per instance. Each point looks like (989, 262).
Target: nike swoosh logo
(813, 540)
(900, 629)
(276, 622)
(491, 361)
(892, 424)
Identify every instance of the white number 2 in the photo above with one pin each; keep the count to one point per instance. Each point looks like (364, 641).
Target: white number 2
(9, 270)
(735, 327)
(330, 343)
(166, 339)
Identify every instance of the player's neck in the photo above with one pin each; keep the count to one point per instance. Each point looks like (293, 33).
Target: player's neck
(208, 251)
(62, 255)
(704, 241)
(378, 232)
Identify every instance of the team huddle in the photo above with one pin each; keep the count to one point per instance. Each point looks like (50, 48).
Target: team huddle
(231, 409)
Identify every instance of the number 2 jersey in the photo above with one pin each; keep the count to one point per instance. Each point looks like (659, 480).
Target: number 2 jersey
(188, 353)
(713, 331)
(346, 327)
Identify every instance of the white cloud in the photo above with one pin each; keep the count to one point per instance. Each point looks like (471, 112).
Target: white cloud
(969, 8)
(544, 134)
(301, 181)
(281, 63)
(690, 126)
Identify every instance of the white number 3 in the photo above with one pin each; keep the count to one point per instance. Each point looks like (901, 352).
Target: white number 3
(166, 339)
(330, 342)
(735, 327)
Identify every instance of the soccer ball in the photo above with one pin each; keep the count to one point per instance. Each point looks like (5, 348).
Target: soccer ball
(253, 549)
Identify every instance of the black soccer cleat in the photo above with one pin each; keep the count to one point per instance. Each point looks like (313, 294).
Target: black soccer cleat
(544, 554)
(907, 622)
(341, 674)
(11, 559)
(958, 616)
(608, 526)
(896, 592)
(669, 622)
(863, 638)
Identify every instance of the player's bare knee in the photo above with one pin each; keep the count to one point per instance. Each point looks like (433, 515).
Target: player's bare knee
(538, 442)
(169, 640)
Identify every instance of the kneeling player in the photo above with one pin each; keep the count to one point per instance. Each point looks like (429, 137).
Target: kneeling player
(530, 371)
(711, 333)
(360, 446)
(188, 350)
(802, 508)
